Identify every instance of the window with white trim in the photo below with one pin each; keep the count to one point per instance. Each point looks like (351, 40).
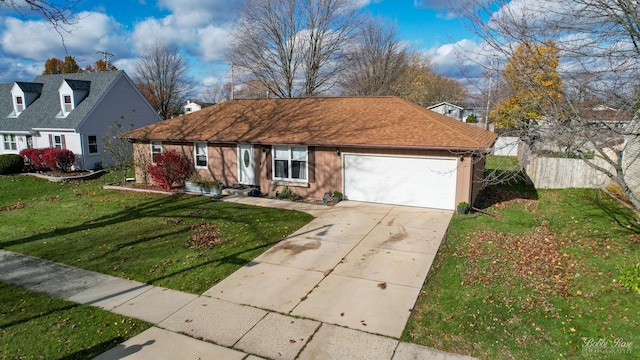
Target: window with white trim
(10, 142)
(156, 149)
(93, 144)
(57, 141)
(19, 105)
(200, 150)
(290, 163)
(67, 105)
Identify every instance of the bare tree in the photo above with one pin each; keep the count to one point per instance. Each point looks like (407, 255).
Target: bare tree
(161, 76)
(294, 47)
(377, 60)
(598, 45)
(56, 12)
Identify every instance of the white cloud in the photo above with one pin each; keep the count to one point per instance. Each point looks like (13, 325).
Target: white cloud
(35, 40)
(213, 43)
(198, 13)
(463, 57)
(12, 70)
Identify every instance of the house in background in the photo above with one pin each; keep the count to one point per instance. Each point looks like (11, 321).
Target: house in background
(631, 154)
(459, 112)
(193, 106)
(373, 149)
(70, 111)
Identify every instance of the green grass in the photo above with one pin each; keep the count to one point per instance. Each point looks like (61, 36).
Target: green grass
(35, 326)
(137, 236)
(538, 283)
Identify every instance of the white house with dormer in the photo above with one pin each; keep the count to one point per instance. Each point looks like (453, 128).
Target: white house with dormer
(70, 111)
(193, 106)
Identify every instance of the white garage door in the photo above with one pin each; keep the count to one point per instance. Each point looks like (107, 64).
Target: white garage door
(412, 181)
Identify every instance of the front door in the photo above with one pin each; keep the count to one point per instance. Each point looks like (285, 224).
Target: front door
(246, 171)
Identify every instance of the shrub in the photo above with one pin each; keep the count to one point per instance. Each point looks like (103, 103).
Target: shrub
(11, 164)
(65, 160)
(287, 194)
(58, 159)
(33, 159)
(170, 169)
(630, 277)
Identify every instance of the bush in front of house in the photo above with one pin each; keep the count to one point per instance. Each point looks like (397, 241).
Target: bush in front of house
(170, 169)
(11, 164)
(33, 159)
(58, 159)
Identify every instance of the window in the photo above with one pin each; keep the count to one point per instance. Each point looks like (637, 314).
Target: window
(19, 104)
(93, 144)
(156, 149)
(290, 163)
(201, 154)
(57, 141)
(10, 142)
(67, 104)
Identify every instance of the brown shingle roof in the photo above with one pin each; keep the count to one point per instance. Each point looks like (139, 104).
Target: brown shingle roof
(341, 121)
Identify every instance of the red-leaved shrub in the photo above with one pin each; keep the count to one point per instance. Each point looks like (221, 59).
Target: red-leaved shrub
(64, 159)
(33, 159)
(58, 159)
(170, 169)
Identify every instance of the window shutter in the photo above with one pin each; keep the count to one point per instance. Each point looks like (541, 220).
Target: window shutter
(311, 159)
(64, 143)
(269, 163)
(50, 140)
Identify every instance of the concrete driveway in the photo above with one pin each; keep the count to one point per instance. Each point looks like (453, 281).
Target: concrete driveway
(358, 265)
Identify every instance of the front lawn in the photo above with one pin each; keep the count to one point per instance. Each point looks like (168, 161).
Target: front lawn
(186, 243)
(35, 326)
(538, 283)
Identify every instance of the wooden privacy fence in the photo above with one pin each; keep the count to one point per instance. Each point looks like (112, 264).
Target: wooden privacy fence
(559, 173)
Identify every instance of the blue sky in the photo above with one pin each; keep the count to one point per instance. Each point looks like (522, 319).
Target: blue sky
(202, 30)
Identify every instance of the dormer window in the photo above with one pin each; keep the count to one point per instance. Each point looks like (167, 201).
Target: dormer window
(23, 95)
(67, 106)
(72, 92)
(19, 105)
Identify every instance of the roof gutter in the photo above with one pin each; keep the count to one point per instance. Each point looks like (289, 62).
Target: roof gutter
(54, 129)
(465, 149)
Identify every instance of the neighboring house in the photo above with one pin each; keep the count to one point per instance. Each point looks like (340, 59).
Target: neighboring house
(457, 112)
(193, 106)
(374, 149)
(631, 155)
(70, 111)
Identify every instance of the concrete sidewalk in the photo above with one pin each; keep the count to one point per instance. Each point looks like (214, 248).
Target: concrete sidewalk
(320, 294)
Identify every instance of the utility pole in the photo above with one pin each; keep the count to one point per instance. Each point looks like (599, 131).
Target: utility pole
(233, 85)
(486, 115)
(105, 55)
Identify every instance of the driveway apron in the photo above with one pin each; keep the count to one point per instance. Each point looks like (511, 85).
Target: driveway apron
(358, 265)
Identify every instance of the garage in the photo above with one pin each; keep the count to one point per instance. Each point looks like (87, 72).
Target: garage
(401, 180)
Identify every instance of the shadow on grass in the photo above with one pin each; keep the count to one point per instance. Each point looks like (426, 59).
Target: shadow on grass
(40, 315)
(625, 218)
(157, 208)
(101, 348)
(505, 185)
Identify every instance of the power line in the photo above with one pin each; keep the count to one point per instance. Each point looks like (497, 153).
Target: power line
(105, 54)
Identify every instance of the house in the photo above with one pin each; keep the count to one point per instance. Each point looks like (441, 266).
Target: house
(193, 106)
(70, 111)
(374, 149)
(631, 155)
(456, 111)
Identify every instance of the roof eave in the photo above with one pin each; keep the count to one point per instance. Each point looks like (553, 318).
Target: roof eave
(462, 149)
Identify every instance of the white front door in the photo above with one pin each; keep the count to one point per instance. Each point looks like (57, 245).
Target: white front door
(246, 170)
